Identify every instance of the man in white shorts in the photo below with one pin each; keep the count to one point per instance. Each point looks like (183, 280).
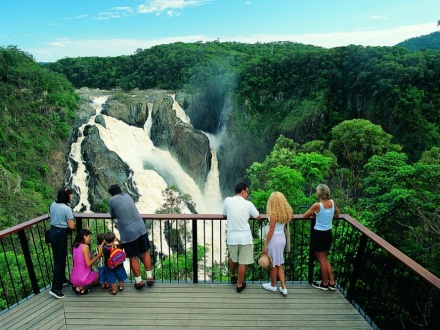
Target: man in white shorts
(239, 239)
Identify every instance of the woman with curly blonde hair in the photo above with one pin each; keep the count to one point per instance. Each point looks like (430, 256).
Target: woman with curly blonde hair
(280, 213)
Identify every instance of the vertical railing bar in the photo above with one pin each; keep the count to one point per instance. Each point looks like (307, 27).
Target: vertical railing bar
(38, 255)
(161, 247)
(10, 276)
(28, 260)
(311, 252)
(212, 252)
(351, 292)
(221, 251)
(194, 243)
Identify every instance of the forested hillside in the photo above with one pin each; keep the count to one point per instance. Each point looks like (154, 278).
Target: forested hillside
(365, 120)
(430, 41)
(287, 88)
(37, 109)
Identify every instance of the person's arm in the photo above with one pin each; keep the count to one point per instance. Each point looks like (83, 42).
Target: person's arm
(336, 214)
(86, 254)
(312, 210)
(71, 224)
(269, 233)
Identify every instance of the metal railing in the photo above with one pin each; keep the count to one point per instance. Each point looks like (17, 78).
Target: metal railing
(389, 289)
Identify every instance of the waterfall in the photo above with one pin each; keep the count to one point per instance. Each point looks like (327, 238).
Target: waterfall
(153, 169)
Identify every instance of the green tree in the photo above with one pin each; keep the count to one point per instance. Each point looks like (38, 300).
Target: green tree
(355, 141)
(402, 202)
(176, 233)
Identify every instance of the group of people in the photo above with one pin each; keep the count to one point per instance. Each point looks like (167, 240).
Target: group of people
(134, 240)
(238, 211)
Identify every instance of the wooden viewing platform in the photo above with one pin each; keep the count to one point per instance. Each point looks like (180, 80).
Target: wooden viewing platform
(187, 306)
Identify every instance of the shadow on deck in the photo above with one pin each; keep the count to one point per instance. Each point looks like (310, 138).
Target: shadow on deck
(189, 306)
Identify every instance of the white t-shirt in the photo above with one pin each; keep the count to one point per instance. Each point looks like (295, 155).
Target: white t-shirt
(237, 211)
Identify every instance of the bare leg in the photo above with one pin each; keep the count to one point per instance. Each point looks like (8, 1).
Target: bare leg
(331, 279)
(114, 288)
(241, 274)
(134, 263)
(273, 275)
(146, 260)
(322, 258)
(281, 276)
(232, 266)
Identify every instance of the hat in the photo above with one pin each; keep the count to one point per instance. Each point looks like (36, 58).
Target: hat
(265, 260)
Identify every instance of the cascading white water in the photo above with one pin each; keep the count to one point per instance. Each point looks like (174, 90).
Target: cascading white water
(134, 146)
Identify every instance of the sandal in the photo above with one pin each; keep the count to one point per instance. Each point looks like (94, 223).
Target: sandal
(121, 289)
(112, 292)
(139, 285)
(150, 281)
(81, 292)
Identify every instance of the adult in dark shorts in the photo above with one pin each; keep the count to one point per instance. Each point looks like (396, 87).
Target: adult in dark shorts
(325, 210)
(134, 236)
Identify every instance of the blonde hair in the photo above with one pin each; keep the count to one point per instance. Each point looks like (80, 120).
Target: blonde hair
(278, 208)
(323, 191)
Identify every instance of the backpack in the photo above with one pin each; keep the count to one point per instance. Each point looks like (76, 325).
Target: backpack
(117, 257)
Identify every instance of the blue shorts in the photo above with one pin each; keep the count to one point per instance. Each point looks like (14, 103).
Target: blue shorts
(101, 271)
(116, 275)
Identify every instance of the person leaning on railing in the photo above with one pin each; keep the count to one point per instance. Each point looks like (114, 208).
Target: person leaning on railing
(325, 210)
(61, 221)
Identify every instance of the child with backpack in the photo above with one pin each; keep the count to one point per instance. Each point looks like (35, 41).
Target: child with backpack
(114, 262)
(101, 262)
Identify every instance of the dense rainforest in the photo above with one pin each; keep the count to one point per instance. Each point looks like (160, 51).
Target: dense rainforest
(364, 120)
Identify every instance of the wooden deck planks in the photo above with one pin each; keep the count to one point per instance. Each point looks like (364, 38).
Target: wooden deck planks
(190, 306)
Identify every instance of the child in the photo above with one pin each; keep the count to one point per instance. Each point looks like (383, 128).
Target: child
(101, 263)
(115, 274)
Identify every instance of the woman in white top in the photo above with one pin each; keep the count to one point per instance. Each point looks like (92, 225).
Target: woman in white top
(325, 210)
(280, 213)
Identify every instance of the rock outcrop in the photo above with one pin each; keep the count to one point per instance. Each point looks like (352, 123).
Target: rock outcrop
(104, 167)
(131, 109)
(188, 145)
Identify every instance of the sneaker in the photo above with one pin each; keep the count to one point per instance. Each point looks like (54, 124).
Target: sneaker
(268, 286)
(233, 279)
(332, 287)
(283, 291)
(57, 294)
(319, 285)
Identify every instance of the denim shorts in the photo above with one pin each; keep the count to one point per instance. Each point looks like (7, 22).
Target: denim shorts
(115, 275)
(101, 271)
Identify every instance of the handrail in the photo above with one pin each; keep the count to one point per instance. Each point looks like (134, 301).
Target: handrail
(397, 254)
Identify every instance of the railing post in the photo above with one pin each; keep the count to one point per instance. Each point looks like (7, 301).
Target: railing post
(28, 260)
(351, 292)
(311, 252)
(195, 261)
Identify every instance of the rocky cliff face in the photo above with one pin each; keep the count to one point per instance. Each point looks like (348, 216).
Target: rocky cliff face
(132, 110)
(103, 166)
(188, 145)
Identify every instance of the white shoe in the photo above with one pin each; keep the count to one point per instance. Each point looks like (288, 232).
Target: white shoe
(268, 286)
(283, 291)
